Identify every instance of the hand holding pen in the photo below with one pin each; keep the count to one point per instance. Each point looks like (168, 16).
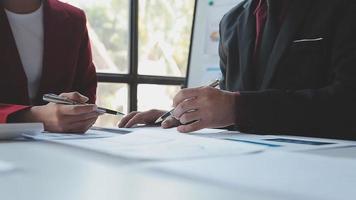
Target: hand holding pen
(205, 107)
(167, 114)
(62, 118)
(195, 108)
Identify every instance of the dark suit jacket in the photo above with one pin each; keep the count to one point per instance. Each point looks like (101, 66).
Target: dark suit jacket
(309, 87)
(67, 64)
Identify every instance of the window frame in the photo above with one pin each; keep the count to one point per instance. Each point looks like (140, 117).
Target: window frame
(133, 79)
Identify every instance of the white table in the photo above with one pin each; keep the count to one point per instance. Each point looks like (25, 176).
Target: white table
(52, 171)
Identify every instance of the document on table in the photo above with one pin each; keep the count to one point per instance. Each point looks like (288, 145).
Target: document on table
(202, 132)
(101, 132)
(159, 144)
(281, 142)
(294, 174)
(93, 133)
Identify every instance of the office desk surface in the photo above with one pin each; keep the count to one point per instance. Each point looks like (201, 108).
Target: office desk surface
(46, 171)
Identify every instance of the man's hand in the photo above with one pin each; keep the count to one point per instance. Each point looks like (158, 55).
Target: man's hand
(148, 118)
(204, 107)
(63, 118)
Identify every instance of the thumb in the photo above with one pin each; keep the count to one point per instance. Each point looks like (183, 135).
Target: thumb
(75, 96)
(170, 122)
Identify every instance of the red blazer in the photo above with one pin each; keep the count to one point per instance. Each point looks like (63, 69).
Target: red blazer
(67, 62)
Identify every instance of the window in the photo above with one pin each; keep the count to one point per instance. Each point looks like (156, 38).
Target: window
(140, 49)
(164, 36)
(114, 96)
(162, 94)
(108, 27)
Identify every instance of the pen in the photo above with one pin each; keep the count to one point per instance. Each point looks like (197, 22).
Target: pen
(169, 113)
(53, 98)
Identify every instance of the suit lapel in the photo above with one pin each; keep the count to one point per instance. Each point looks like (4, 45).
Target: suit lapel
(246, 36)
(54, 36)
(291, 25)
(12, 71)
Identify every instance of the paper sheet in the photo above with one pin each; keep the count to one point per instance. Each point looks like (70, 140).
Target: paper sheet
(290, 173)
(101, 132)
(159, 144)
(15, 130)
(281, 142)
(91, 134)
(205, 131)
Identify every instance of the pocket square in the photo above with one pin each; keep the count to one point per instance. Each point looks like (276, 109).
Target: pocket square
(308, 40)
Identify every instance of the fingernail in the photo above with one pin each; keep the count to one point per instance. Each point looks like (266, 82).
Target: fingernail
(164, 124)
(95, 108)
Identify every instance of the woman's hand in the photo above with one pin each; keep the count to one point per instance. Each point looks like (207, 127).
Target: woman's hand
(63, 118)
(148, 118)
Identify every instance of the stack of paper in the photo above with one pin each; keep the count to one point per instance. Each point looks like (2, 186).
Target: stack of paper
(10, 131)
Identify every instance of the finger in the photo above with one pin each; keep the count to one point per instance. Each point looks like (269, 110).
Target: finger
(75, 96)
(170, 122)
(148, 117)
(190, 117)
(137, 119)
(127, 118)
(79, 130)
(185, 94)
(185, 106)
(77, 109)
(69, 119)
(191, 127)
(81, 126)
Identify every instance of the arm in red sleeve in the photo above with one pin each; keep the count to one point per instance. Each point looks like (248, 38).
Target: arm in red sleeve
(7, 110)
